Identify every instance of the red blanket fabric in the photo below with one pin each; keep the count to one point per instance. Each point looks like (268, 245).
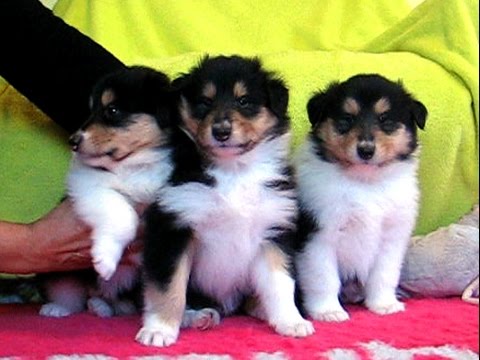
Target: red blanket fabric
(428, 329)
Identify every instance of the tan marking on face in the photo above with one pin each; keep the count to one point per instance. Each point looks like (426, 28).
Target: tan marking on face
(338, 148)
(204, 135)
(244, 131)
(141, 134)
(190, 125)
(351, 106)
(389, 147)
(107, 97)
(252, 130)
(209, 90)
(167, 306)
(198, 130)
(381, 106)
(239, 89)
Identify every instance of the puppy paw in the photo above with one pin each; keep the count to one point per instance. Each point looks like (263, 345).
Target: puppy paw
(104, 266)
(54, 310)
(159, 336)
(299, 328)
(386, 308)
(334, 315)
(99, 307)
(203, 319)
(106, 255)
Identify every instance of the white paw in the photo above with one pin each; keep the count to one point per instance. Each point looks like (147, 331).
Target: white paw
(104, 266)
(105, 257)
(333, 315)
(299, 328)
(99, 307)
(386, 308)
(159, 336)
(203, 319)
(54, 310)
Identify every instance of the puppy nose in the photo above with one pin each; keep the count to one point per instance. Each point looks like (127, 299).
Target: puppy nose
(75, 140)
(366, 150)
(222, 130)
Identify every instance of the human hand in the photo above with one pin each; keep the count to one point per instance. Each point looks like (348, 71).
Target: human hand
(59, 241)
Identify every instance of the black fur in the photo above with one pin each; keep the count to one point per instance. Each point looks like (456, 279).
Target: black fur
(367, 89)
(264, 88)
(126, 84)
(165, 239)
(189, 164)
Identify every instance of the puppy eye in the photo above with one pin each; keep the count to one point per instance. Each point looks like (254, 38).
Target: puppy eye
(243, 101)
(206, 102)
(344, 124)
(383, 117)
(387, 123)
(112, 110)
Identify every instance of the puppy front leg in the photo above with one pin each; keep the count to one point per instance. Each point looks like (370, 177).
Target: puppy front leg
(319, 281)
(167, 260)
(383, 279)
(275, 289)
(164, 307)
(114, 224)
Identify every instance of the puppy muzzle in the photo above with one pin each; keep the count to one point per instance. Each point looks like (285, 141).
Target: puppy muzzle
(222, 129)
(366, 150)
(75, 140)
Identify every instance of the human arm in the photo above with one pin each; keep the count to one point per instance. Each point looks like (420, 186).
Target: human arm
(59, 241)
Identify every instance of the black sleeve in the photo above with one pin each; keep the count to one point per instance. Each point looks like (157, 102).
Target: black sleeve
(50, 62)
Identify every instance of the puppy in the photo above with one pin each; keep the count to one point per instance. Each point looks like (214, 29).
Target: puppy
(358, 194)
(221, 227)
(121, 157)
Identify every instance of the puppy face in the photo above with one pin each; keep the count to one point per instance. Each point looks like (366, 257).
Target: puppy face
(129, 113)
(365, 120)
(230, 104)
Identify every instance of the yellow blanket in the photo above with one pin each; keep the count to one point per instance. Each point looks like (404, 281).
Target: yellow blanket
(432, 49)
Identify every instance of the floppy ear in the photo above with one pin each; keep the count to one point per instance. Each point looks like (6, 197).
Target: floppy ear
(316, 107)
(184, 80)
(419, 113)
(181, 82)
(277, 97)
(157, 86)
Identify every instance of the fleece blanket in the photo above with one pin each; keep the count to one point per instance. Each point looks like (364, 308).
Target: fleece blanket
(429, 329)
(433, 50)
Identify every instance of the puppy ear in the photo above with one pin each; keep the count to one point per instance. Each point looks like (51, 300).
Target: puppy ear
(316, 107)
(181, 82)
(157, 88)
(419, 113)
(277, 97)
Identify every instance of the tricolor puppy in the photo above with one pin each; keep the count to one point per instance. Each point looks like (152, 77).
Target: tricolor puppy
(222, 226)
(121, 157)
(357, 180)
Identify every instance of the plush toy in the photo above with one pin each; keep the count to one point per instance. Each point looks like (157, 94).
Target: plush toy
(444, 262)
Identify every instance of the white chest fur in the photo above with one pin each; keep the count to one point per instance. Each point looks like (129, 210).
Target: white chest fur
(105, 200)
(138, 179)
(232, 219)
(358, 213)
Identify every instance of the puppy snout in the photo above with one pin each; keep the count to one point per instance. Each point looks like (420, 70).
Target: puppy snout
(366, 150)
(221, 130)
(75, 140)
